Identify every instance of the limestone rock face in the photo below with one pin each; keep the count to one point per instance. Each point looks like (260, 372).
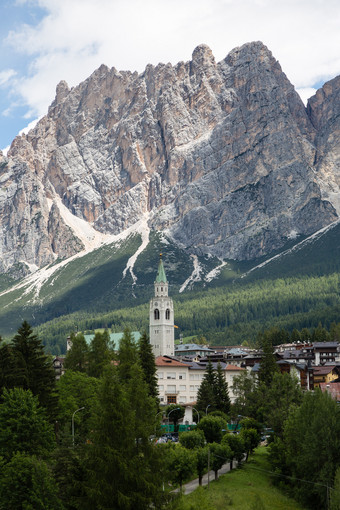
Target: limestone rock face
(324, 112)
(223, 156)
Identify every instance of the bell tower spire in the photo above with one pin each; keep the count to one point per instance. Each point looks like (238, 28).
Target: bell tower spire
(162, 336)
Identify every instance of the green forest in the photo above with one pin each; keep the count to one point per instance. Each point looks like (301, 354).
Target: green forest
(227, 315)
(91, 440)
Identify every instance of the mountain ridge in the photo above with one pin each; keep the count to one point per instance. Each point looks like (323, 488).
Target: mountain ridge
(221, 155)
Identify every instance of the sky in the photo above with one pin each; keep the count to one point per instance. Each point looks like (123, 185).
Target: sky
(45, 41)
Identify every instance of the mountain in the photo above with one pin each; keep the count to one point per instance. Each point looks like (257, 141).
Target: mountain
(214, 163)
(222, 157)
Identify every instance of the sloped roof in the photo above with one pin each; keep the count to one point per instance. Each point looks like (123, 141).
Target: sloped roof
(324, 370)
(192, 347)
(167, 361)
(116, 338)
(325, 345)
(161, 276)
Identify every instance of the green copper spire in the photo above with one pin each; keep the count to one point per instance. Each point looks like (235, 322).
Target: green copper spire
(161, 278)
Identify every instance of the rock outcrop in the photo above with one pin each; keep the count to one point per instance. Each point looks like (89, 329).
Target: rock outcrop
(224, 156)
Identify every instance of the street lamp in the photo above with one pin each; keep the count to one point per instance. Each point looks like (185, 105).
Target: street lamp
(198, 414)
(160, 412)
(206, 410)
(172, 410)
(80, 409)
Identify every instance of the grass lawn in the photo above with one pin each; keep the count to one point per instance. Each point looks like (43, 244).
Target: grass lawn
(247, 488)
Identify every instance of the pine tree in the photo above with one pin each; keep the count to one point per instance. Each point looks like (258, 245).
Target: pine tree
(124, 470)
(77, 357)
(147, 361)
(268, 366)
(127, 356)
(6, 366)
(23, 425)
(206, 395)
(33, 369)
(99, 354)
(222, 399)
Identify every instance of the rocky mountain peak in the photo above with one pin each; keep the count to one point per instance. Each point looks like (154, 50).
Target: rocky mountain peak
(202, 56)
(62, 91)
(219, 156)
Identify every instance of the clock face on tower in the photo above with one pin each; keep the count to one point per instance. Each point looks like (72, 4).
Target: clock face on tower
(156, 304)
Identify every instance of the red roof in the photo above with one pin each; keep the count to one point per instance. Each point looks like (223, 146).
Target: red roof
(233, 367)
(323, 370)
(166, 361)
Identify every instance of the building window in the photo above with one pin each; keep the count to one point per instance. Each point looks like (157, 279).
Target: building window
(183, 387)
(161, 399)
(182, 400)
(172, 399)
(160, 375)
(182, 376)
(192, 387)
(161, 387)
(171, 375)
(171, 388)
(167, 314)
(191, 377)
(156, 314)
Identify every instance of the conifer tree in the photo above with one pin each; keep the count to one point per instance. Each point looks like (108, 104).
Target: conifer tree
(77, 357)
(268, 366)
(99, 355)
(6, 366)
(124, 470)
(127, 356)
(147, 361)
(206, 395)
(222, 400)
(33, 369)
(23, 425)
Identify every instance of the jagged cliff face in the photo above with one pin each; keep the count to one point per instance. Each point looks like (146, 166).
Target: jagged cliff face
(223, 156)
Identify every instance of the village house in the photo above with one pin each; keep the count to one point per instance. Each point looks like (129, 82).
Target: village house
(325, 374)
(178, 382)
(333, 389)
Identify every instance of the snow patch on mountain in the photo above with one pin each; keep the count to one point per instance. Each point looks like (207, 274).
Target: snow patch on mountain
(90, 237)
(34, 282)
(195, 275)
(214, 272)
(143, 229)
(298, 246)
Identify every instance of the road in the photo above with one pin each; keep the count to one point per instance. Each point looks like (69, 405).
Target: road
(191, 486)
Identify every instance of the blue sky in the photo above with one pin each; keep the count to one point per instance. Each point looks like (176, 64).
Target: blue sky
(45, 41)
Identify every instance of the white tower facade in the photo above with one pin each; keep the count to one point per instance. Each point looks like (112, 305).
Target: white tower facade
(162, 334)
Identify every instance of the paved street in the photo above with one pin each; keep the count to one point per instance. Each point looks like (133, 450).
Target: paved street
(191, 486)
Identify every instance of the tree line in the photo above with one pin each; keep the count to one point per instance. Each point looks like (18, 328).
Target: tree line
(226, 316)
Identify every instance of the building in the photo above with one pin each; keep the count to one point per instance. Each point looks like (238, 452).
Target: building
(58, 365)
(115, 339)
(326, 352)
(333, 389)
(192, 350)
(161, 325)
(179, 381)
(325, 374)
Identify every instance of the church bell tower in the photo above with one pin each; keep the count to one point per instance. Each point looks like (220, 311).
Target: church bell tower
(162, 335)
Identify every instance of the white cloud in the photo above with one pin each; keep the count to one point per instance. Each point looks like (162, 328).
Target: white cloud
(76, 36)
(5, 76)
